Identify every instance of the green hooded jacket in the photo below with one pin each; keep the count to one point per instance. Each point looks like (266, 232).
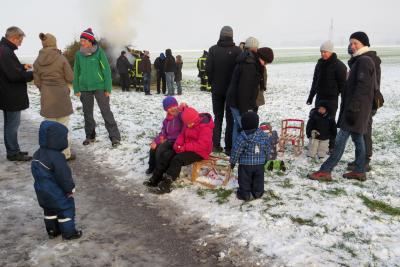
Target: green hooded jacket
(92, 72)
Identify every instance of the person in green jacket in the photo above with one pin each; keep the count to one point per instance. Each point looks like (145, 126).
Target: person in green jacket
(92, 79)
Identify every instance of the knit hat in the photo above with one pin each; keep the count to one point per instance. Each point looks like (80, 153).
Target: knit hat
(226, 31)
(266, 54)
(251, 42)
(48, 40)
(190, 115)
(88, 35)
(168, 102)
(326, 46)
(362, 37)
(250, 121)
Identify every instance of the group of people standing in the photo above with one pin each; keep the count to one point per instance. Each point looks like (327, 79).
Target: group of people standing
(168, 72)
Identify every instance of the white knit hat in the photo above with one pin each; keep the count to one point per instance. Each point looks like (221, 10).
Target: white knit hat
(327, 46)
(251, 42)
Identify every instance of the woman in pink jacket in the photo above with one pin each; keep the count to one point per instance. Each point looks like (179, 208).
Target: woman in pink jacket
(193, 144)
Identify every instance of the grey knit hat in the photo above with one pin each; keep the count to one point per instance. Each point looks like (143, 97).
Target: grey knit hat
(251, 42)
(327, 46)
(226, 31)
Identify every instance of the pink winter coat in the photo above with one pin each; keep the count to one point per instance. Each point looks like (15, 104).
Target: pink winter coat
(197, 139)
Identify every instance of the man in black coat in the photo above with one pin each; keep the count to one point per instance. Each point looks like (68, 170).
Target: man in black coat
(355, 112)
(123, 67)
(13, 91)
(159, 66)
(220, 63)
(377, 61)
(328, 81)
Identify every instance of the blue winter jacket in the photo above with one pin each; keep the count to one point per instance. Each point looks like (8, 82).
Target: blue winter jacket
(53, 177)
(251, 148)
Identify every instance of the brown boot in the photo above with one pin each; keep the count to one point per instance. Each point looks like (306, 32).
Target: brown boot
(320, 176)
(360, 176)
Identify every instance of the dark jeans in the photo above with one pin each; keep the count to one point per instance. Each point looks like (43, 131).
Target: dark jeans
(161, 79)
(87, 99)
(124, 79)
(12, 120)
(219, 108)
(146, 83)
(179, 160)
(340, 145)
(251, 181)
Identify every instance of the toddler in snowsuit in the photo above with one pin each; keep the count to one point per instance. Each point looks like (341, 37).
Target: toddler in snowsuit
(54, 185)
(251, 149)
(161, 149)
(321, 127)
(193, 144)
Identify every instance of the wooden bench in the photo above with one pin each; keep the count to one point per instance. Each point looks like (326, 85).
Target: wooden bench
(211, 164)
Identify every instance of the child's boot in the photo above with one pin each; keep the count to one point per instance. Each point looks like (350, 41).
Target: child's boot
(52, 228)
(154, 180)
(165, 185)
(77, 234)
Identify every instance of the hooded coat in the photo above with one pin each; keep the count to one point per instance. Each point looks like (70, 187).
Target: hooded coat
(198, 138)
(13, 79)
(245, 82)
(169, 63)
(52, 74)
(323, 123)
(53, 177)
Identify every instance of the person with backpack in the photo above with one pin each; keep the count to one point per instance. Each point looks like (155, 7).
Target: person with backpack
(355, 112)
(92, 79)
(378, 98)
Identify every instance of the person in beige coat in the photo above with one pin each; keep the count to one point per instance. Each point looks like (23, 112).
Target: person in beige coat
(52, 74)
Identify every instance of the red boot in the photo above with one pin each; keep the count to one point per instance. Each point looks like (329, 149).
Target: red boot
(360, 176)
(320, 176)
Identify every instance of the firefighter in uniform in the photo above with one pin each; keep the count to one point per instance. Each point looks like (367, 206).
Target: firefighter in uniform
(201, 66)
(138, 74)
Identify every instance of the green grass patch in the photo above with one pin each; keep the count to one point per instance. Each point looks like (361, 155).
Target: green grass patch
(223, 195)
(335, 192)
(270, 195)
(302, 221)
(377, 205)
(348, 249)
(287, 184)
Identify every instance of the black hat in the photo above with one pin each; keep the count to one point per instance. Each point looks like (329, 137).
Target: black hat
(362, 37)
(266, 54)
(123, 52)
(250, 121)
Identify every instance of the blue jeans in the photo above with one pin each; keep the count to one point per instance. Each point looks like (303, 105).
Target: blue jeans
(179, 87)
(169, 77)
(146, 83)
(340, 145)
(12, 119)
(237, 124)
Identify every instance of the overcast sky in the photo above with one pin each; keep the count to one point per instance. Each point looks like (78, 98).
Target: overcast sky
(194, 24)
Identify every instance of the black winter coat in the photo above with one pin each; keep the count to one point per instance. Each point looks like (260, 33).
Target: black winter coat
(169, 64)
(329, 79)
(356, 106)
(220, 64)
(324, 124)
(245, 82)
(159, 65)
(13, 79)
(123, 65)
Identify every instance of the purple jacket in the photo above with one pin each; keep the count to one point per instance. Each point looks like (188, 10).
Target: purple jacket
(170, 130)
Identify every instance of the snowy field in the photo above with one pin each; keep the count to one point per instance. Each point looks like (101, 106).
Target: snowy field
(298, 222)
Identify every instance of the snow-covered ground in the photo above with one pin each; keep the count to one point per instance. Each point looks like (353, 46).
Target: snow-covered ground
(298, 222)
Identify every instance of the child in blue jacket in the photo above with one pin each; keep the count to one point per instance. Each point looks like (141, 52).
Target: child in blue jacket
(251, 149)
(54, 185)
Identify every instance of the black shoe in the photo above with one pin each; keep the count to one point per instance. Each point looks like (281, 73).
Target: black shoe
(150, 183)
(115, 142)
(76, 235)
(23, 153)
(147, 94)
(165, 185)
(19, 157)
(149, 171)
(53, 234)
(88, 141)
